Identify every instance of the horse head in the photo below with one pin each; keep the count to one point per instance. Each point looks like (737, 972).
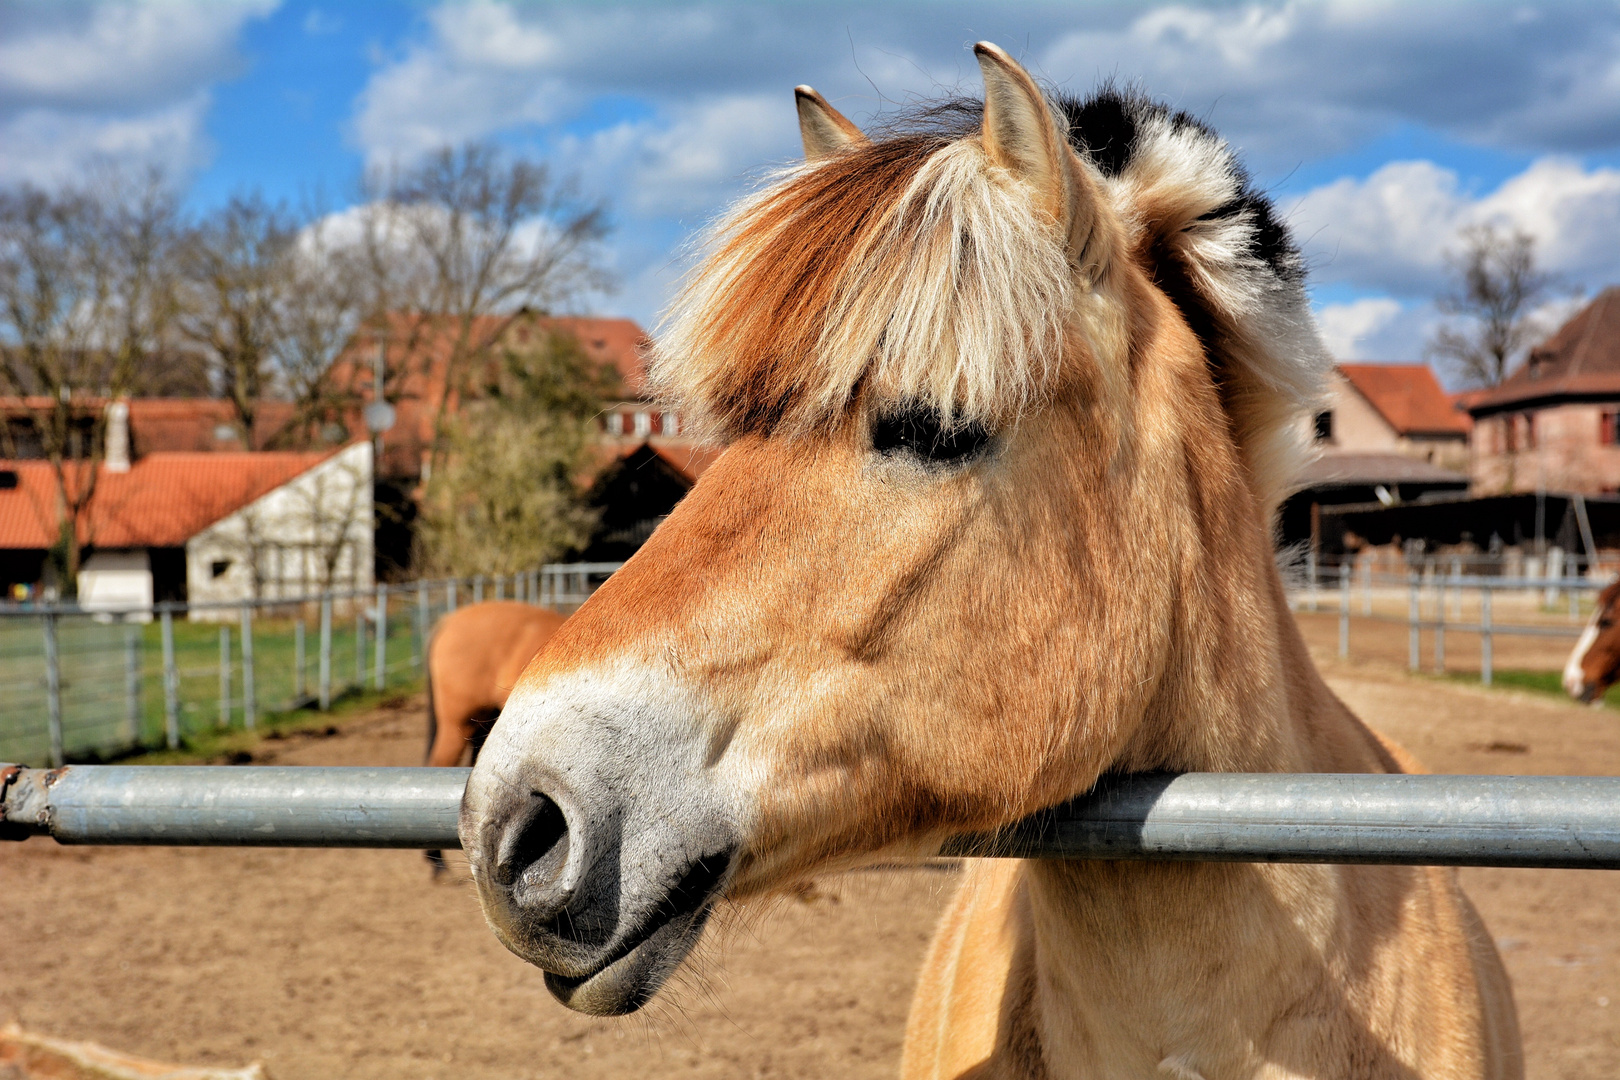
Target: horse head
(1010, 392)
(1594, 663)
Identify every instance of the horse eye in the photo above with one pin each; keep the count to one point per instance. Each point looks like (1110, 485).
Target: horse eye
(923, 432)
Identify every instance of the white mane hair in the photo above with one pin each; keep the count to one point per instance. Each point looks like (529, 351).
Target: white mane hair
(903, 267)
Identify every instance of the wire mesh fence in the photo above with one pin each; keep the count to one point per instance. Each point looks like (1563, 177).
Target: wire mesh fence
(86, 686)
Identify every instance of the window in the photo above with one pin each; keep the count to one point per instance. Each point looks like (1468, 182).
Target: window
(1609, 428)
(219, 566)
(615, 423)
(643, 423)
(672, 423)
(1324, 426)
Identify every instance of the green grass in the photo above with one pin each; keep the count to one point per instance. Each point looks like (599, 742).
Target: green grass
(1539, 682)
(238, 744)
(94, 660)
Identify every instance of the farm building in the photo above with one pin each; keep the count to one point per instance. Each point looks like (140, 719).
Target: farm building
(648, 456)
(1389, 435)
(1554, 424)
(214, 526)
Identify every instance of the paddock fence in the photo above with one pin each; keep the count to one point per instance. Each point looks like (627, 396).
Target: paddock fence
(93, 685)
(1441, 597)
(1524, 821)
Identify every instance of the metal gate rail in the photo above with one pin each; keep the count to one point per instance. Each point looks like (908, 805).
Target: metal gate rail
(1542, 821)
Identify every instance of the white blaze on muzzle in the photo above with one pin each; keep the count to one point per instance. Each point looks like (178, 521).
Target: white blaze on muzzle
(600, 826)
(1574, 676)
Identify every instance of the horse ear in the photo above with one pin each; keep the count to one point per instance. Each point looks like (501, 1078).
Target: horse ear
(1022, 135)
(824, 129)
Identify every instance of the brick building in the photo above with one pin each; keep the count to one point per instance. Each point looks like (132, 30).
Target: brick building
(1554, 424)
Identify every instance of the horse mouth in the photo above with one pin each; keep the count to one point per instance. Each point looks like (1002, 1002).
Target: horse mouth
(638, 967)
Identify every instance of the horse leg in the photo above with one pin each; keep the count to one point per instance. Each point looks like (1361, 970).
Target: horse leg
(447, 739)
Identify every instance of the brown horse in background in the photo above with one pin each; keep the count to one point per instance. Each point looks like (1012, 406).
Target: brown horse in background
(475, 657)
(1594, 663)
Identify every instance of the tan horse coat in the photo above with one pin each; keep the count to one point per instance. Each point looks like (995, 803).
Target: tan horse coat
(474, 659)
(1010, 413)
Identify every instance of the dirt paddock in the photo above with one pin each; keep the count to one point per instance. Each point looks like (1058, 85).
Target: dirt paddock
(353, 964)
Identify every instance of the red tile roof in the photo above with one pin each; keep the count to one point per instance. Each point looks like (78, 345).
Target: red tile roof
(1409, 397)
(162, 424)
(162, 501)
(1581, 360)
(424, 344)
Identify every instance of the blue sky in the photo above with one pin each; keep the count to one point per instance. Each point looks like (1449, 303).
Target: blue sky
(1381, 128)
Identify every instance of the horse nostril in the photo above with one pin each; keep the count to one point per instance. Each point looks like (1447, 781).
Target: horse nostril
(534, 850)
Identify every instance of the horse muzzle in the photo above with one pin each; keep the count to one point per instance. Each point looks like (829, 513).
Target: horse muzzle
(598, 841)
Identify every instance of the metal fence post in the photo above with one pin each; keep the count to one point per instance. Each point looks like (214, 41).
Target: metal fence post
(379, 661)
(500, 586)
(1310, 581)
(1485, 636)
(450, 595)
(419, 628)
(171, 685)
(224, 676)
(53, 690)
(359, 643)
(1440, 624)
(1344, 611)
(478, 588)
(132, 682)
(1413, 620)
(300, 664)
(249, 706)
(324, 687)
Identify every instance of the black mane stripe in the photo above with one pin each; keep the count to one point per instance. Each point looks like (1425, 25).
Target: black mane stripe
(1105, 128)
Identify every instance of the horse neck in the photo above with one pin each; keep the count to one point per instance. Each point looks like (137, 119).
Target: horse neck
(1240, 692)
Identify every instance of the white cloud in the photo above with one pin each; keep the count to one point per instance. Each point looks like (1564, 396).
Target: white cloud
(687, 161)
(1293, 81)
(668, 110)
(1392, 231)
(46, 146)
(122, 80)
(1345, 326)
(119, 55)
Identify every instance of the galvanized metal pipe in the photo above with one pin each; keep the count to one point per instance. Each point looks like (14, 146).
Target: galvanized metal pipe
(132, 683)
(379, 659)
(171, 683)
(1537, 821)
(53, 688)
(220, 806)
(323, 685)
(250, 703)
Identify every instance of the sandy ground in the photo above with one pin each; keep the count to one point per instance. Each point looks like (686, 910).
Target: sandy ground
(353, 964)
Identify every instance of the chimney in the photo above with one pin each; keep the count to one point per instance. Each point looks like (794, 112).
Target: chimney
(118, 436)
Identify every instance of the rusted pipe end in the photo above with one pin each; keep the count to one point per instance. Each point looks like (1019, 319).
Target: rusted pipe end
(24, 801)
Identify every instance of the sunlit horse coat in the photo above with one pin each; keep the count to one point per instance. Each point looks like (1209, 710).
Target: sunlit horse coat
(1012, 393)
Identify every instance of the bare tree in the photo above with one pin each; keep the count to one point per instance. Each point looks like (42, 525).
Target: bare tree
(1498, 285)
(235, 267)
(461, 243)
(318, 313)
(87, 297)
